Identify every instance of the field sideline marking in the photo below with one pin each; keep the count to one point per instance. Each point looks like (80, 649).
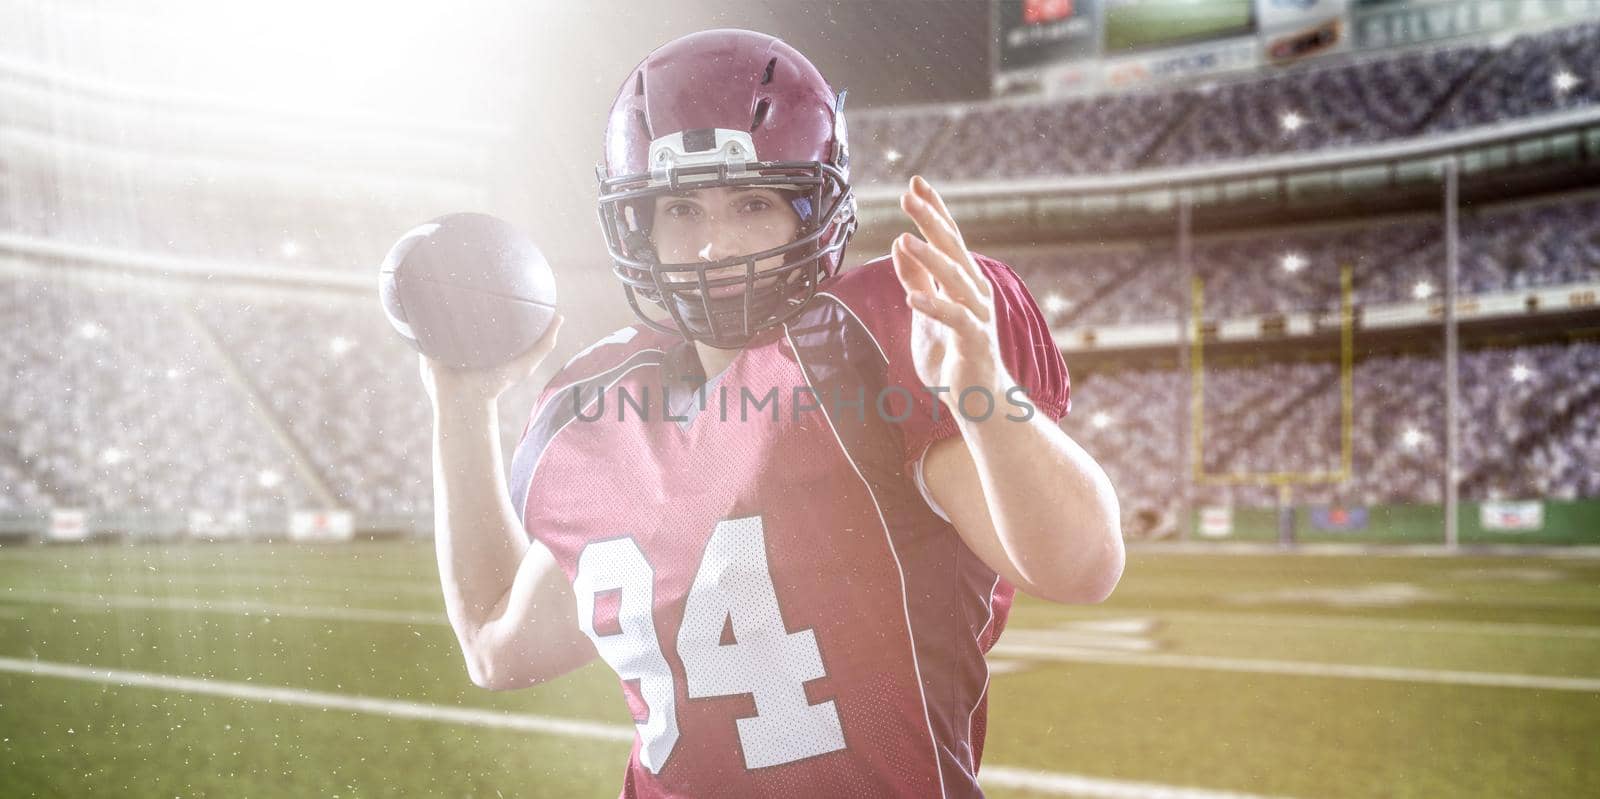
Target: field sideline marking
(1002, 649)
(1531, 629)
(1301, 668)
(993, 776)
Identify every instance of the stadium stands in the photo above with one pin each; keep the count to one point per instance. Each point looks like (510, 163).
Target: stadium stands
(137, 390)
(113, 402)
(1549, 243)
(1529, 415)
(209, 399)
(1317, 106)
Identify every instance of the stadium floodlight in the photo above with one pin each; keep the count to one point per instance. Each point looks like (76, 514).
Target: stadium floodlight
(91, 330)
(892, 156)
(340, 345)
(1291, 121)
(1422, 290)
(1293, 262)
(1412, 437)
(1055, 303)
(111, 456)
(1100, 419)
(173, 374)
(1521, 373)
(289, 249)
(1564, 81)
(268, 478)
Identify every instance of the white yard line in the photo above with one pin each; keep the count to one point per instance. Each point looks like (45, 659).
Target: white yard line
(321, 700)
(1296, 668)
(1336, 549)
(1328, 621)
(993, 776)
(1007, 648)
(1097, 787)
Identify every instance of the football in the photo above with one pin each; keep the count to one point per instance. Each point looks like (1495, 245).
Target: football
(469, 290)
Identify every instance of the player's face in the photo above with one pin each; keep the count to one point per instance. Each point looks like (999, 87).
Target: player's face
(705, 225)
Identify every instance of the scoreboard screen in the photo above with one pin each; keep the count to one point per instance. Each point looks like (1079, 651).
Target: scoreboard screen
(1147, 24)
(1035, 33)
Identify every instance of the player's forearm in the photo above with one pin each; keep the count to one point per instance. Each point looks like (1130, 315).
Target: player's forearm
(1052, 506)
(477, 536)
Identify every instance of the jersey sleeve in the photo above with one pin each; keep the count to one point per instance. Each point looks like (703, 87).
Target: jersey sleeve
(1030, 354)
(550, 412)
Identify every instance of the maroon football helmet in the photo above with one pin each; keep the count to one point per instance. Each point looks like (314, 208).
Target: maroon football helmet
(726, 108)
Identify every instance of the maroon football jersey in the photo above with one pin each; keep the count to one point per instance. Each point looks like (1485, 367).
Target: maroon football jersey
(757, 558)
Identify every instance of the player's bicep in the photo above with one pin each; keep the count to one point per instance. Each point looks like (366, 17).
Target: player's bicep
(951, 476)
(532, 634)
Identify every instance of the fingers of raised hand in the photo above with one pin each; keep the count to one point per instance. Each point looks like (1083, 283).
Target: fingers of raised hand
(913, 275)
(952, 278)
(953, 314)
(940, 228)
(933, 225)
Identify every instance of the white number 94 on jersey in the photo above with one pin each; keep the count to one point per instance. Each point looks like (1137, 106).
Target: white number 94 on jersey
(733, 585)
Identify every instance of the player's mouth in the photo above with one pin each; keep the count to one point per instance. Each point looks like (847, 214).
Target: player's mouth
(721, 292)
(728, 291)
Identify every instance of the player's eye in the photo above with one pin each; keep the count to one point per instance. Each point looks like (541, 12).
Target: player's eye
(682, 210)
(755, 205)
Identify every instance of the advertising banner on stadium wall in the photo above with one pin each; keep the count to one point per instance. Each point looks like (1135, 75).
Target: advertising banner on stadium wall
(321, 526)
(68, 524)
(1216, 521)
(1377, 24)
(1167, 64)
(1294, 29)
(217, 526)
(1338, 519)
(1526, 516)
(1179, 62)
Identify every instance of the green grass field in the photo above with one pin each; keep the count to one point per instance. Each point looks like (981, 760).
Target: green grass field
(329, 671)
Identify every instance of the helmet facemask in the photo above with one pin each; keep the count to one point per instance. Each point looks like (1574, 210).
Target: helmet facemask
(695, 293)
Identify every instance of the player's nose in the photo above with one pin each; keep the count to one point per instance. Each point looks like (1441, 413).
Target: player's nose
(724, 244)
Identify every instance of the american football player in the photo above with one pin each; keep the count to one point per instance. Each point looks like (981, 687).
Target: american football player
(797, 599)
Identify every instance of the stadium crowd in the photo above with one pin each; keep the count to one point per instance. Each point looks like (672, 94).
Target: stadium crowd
(114, 402)
(129, 408)
(1550, 243)
(125, 398)
(1317, 106)
(1528, 416)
